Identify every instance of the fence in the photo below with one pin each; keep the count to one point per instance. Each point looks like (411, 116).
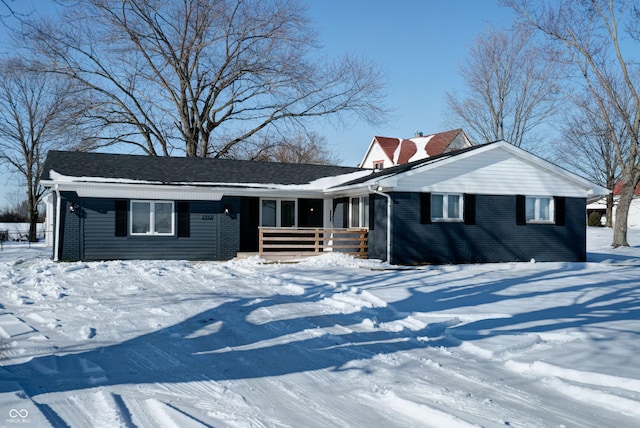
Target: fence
(312, 241)
(19, 231)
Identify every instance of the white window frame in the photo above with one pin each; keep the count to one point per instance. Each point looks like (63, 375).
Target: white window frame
(362, 222)
(152, 219)
(279, 211)
(445, 207)
(536, 209)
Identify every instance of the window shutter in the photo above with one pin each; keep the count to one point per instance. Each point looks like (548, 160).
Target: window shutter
(521, 208)
(182, 208)
(469, 208)
(372, 211)
(560, 202)
(425, 208)
(121, 218)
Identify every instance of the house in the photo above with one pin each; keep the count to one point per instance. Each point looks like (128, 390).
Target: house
(488, 203)
(384, 152)
(599, 205)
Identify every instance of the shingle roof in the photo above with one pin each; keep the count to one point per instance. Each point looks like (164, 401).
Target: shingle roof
(184, 170)
(439, 142)
(436, 144)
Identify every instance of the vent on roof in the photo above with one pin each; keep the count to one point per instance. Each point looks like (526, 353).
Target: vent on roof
(419, 134)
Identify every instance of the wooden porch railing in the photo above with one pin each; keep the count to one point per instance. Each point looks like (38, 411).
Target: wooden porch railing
(312, 241)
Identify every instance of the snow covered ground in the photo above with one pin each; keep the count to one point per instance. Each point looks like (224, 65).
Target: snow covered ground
(328, 342)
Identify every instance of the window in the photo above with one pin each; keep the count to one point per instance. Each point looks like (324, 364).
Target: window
(446, 207)
(379, 164)
(268, 213)
(539, 209)
(152, 218)
(278, 213)
(359, 212)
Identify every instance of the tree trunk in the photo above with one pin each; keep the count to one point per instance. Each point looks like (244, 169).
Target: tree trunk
(33, 228)
(32, 207)
(622, 214)
(609, 213)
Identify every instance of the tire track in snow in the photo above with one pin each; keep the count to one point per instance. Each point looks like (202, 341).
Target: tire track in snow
(585, 386)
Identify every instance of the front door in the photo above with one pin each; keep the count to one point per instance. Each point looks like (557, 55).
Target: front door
(249, 222)
(310, 212)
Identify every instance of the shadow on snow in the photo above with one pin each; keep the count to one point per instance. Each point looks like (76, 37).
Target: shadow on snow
(222, 343)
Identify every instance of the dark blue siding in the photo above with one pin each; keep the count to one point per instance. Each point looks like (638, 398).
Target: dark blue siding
(70, 247)
(378, 233)
(495, 236)
(89, 233)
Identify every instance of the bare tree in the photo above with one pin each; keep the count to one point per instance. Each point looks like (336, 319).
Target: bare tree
(592, 34)
(309, 148)
(509, 91)
(202, 76)
(36, 110)
(588, 148)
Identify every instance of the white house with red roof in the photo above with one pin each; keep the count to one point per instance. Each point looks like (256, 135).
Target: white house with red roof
(384, 152)
(600, 206)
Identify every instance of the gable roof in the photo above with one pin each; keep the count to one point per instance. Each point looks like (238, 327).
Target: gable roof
(439, 142)
(401, 150)
(89, 166)
(495, 152)
(399, 169)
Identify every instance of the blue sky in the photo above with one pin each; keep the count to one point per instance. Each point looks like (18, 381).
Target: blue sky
(419, 45)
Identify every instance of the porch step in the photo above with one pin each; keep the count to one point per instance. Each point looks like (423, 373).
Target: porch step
(278, 256)
(275, 257)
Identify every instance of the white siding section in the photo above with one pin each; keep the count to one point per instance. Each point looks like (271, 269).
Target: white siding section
(146, 192)
(375, 154)
(493, 172)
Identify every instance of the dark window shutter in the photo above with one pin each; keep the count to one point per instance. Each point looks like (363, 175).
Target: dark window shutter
(560, 202)
(372, 211)
(183, 219)
(345, 212)
(469, 209)
(121, 218)
(521, 208)
(425, 208)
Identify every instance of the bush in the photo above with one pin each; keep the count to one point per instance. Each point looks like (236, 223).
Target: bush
(595, 219)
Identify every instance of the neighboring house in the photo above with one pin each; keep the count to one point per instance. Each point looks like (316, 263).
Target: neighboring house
(385, 152)
(488, 203)
(600, 205)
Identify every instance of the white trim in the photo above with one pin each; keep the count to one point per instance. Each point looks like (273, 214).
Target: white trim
(152, 222)
(445, 207)
(536, 209)
(56, 246)
(363, 212)
(137, 191)
(279, 211)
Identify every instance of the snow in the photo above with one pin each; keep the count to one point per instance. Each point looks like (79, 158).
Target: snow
(318, 184)
(330, 341)
(19, 231)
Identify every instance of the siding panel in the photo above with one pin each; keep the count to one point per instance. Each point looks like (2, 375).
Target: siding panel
(492, 173)
(207, 226)
(494, 237)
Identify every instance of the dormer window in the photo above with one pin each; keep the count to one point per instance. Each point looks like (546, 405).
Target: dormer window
(379, 164)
